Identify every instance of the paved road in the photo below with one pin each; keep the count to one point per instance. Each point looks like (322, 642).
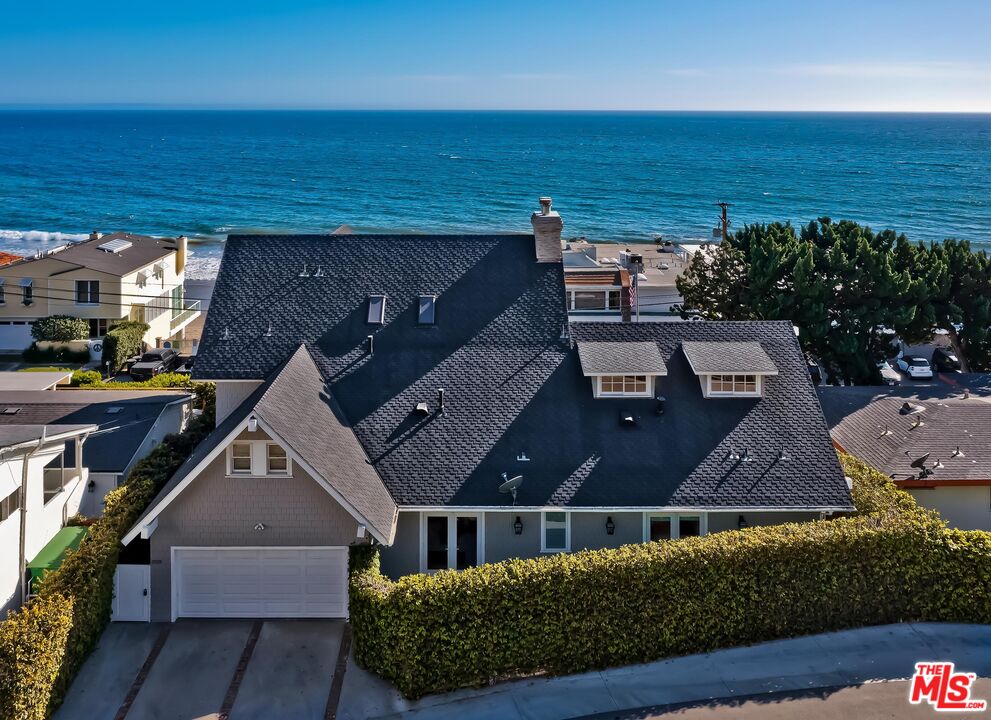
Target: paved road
(874, 701)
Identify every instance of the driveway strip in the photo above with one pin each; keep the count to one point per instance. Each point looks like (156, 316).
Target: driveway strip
(242, 665)
(337, 683)
(132, 694)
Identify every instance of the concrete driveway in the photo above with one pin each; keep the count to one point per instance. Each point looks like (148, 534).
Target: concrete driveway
(250, 670)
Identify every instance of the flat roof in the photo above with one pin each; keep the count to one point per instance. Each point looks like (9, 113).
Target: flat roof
(33, 380)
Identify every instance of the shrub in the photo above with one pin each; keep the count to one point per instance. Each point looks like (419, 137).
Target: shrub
(891, 562)
(84, 378)
(48, 368)
(43, 645)
(123, 340)
(60, 328)
(55, 355)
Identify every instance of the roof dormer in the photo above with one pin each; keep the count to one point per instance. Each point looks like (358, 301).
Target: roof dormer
(622, 369)
(729, 369)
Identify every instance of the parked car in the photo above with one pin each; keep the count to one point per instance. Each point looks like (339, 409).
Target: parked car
(945, 361)
(186, 365)
(155, 362)
(889, 376)
(918, 368)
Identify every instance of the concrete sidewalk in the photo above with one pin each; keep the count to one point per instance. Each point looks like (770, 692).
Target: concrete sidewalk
(850, 657)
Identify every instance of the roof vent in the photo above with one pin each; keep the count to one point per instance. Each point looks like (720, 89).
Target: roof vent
(627, 418)
(908, 408)
(114, 410)
(115, 246)
(422, 409)
(10, 411)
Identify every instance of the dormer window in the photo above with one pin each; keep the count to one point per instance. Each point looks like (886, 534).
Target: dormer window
(729, 369)
(622, 369)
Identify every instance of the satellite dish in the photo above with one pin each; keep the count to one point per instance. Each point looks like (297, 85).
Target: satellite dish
(510, 486)
(920, 462)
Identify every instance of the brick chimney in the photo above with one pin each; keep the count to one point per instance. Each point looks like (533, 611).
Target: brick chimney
(547, 226)
(94, 235)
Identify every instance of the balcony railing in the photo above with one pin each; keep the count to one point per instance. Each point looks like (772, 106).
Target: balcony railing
(189, 311)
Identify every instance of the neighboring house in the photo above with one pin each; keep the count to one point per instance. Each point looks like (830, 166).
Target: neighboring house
(48, 380)
(605, 282)
(41, 486)
(102, 280)
(357, 405)
(127, 426)
(944, 428)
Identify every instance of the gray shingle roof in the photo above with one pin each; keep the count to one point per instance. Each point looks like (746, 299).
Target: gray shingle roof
(866, 422)
(621, 358)
(108, 451)
(144, 250)
(512, 384)
(708, 357)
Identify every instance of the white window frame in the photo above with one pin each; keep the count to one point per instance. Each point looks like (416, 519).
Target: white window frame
(675, 522)
(230, 459)
(572, 290)
(376, 318)
(452, 539)
(543, 532)
(607, 394)
(268, 468)
(733, 393)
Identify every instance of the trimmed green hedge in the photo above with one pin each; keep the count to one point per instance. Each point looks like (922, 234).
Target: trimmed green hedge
(43, 644)
(54, 355)
(60, 328)
(123, 340)
(891, 562)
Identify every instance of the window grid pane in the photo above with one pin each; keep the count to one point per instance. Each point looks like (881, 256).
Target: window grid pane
(278, 462)
(241, 458)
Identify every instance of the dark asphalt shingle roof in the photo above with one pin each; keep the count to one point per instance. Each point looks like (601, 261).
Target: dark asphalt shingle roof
(621, 358)
(11, 435)
(867, 422)
(714, 356)
(108, 451)
(513, 385)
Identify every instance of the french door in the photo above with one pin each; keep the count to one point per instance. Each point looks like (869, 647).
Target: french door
(450, 541)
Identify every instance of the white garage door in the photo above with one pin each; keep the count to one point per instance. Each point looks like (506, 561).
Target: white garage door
(15, 335)
(278, 582)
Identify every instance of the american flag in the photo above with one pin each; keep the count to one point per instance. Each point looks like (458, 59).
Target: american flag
(634, 305)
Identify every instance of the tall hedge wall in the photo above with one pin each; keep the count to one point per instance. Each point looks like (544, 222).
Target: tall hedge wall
(891, 562)
(123, 340)
(43, 644)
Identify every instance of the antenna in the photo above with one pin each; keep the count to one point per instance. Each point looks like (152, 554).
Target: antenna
(304, 272)
(511, 486)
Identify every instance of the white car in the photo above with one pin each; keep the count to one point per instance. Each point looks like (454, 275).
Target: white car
(889, 376)
(918, 368)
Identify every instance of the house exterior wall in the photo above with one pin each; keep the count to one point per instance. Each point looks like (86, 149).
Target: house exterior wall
(231, 393)
(963, 507)
(216, 510)
(43, 519)
(151, 300)
(588, 532)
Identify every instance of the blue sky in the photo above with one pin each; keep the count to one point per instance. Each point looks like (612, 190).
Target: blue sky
(636, 54)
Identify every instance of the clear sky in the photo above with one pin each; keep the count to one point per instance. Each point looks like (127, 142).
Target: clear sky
(909, 55)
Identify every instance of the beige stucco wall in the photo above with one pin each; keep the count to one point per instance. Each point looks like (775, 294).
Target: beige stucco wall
(220, 511)
(967, 508)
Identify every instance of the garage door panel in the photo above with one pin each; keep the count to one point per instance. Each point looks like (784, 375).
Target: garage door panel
(260, 582)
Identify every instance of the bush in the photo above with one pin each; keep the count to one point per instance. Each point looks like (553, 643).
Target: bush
(60, 328)
(55, 355)
(892, 562)
(43, 645)
(85, 378)
(123, 340)
(48, 368)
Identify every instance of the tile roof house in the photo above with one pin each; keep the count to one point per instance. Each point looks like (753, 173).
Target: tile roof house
(447, 410)
(935, 442)
(106, 278)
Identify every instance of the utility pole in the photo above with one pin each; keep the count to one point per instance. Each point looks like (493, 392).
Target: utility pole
(724, 206)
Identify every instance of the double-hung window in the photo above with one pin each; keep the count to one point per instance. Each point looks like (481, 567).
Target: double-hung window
(555, 532)
(241, 458)
(27, 291)
(276, 460)
(87, 292)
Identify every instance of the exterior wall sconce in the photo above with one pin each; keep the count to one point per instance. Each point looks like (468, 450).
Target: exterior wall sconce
(610, 526)
(518, 526)
(252, 423)
(741, 522)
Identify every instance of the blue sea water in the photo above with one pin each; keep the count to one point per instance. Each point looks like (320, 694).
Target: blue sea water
(614, 176)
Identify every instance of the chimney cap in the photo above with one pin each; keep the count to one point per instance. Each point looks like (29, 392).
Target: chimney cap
(545, 205)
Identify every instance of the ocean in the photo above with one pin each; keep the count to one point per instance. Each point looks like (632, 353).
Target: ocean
(623, 177)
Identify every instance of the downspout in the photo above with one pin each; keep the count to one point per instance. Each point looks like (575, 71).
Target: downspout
(22, 550)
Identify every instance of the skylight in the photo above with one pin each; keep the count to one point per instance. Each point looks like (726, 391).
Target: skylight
(10, 411)
(376, 309)
(115, 246)
(427, 309)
